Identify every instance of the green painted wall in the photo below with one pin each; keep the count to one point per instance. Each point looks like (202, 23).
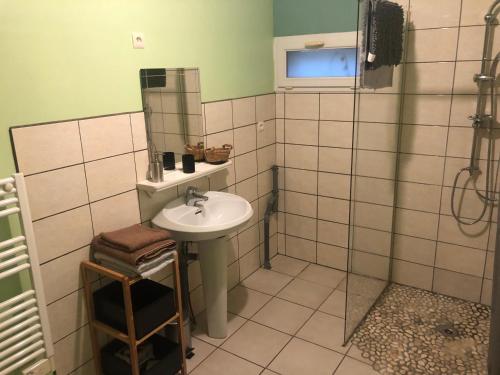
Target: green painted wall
(297, 17)
(70, 59)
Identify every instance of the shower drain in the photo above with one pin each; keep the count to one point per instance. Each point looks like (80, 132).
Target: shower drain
(447, 330)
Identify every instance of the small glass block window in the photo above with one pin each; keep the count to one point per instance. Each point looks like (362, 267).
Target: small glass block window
(336, 62)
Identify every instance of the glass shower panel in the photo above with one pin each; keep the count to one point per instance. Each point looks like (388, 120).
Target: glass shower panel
(372, 201)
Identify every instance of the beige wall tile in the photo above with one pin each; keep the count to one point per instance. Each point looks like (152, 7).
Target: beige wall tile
(300, 204)
(464, 72)
(218, 116)
(375, 136)
(473, 12)
(420, 168)
(280, 130)
(280, 154)
(467, 204)
(304, 157)
(427, 140)
(141, 164)
(245, 166)
(249, 263)
(412, 274)
(428, 14)
(452, 232)
(334, 185)
(370, 265)
(422, 45)
(264, 183)
(486, 292)
(300, 226)
(170, 103)
(337, 107)
(460, 259)
(266, 135)
(302, 106)
(470, 43)
(73, 351)
(151, 205)
(374, 190)
(116, 212)
(303, 132)
(67, 315)
(41, 148)
(301, 248)
(245, 139)
(419, 196)
(415, 250)
(421, 78)
(266, 107)
(488, 267)
(457, 285)
(375, 164)
(462, 107)
(110, 176)
(61, 276)
(221, 138)
(138, 131)
(301, 181)
(59, 234)
(106, 136)
(371, 240)
(248, 189)
(333, 209)
(373, 216)
(244, 111)
(427, 109)
(336, 160)
(333, 233)
(280, 105)
(248, 240)
(379, 108)
(266, 158)
(335, 134)
(332, 256)
(417, 223)
(56, 191)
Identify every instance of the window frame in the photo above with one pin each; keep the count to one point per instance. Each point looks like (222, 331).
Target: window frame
(298, 43)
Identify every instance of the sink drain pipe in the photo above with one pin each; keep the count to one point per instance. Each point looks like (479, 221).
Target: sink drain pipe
(272, 207)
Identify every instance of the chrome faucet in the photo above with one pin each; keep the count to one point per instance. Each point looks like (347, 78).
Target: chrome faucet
(193, 196)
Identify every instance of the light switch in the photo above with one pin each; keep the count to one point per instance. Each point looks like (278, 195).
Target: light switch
(138, 40)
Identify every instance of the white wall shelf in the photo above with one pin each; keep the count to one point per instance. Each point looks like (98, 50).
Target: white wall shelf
(177, 177)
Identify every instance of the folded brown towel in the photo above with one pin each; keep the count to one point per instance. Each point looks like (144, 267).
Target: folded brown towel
(134, 237)
(136, 257)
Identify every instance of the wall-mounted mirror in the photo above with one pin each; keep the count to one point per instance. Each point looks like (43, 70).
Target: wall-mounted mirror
(172, 106)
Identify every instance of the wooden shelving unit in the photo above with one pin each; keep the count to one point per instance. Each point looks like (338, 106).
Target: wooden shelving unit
(129, 339)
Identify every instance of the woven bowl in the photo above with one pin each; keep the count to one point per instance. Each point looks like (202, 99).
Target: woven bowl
(218, 155)
(196, 150)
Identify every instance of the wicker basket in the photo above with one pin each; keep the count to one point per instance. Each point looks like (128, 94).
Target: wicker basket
(218, 155)
(196, 150)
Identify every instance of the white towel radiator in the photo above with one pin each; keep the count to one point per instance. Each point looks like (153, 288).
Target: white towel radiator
(25, 340)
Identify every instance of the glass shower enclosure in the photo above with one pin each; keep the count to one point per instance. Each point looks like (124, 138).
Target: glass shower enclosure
(375, 139)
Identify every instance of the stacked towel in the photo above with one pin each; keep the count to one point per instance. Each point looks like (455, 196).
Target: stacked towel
(135, 250)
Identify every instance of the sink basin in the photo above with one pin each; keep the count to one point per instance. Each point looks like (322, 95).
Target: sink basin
(208, 224)
(221, 214)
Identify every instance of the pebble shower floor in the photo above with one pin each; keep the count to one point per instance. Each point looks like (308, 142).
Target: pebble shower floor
(412, 331)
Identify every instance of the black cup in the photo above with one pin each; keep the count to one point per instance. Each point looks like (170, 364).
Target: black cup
(188, 163)
(168, 161)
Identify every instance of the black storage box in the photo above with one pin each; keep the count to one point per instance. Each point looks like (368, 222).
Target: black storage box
(152, 304)
(167, 358)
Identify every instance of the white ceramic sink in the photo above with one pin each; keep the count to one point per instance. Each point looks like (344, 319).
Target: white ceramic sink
(208, 223)
(221, 214)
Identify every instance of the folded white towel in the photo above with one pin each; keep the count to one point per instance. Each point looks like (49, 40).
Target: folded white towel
(145, 269)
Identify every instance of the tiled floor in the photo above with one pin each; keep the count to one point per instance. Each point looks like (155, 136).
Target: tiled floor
(287, 321)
